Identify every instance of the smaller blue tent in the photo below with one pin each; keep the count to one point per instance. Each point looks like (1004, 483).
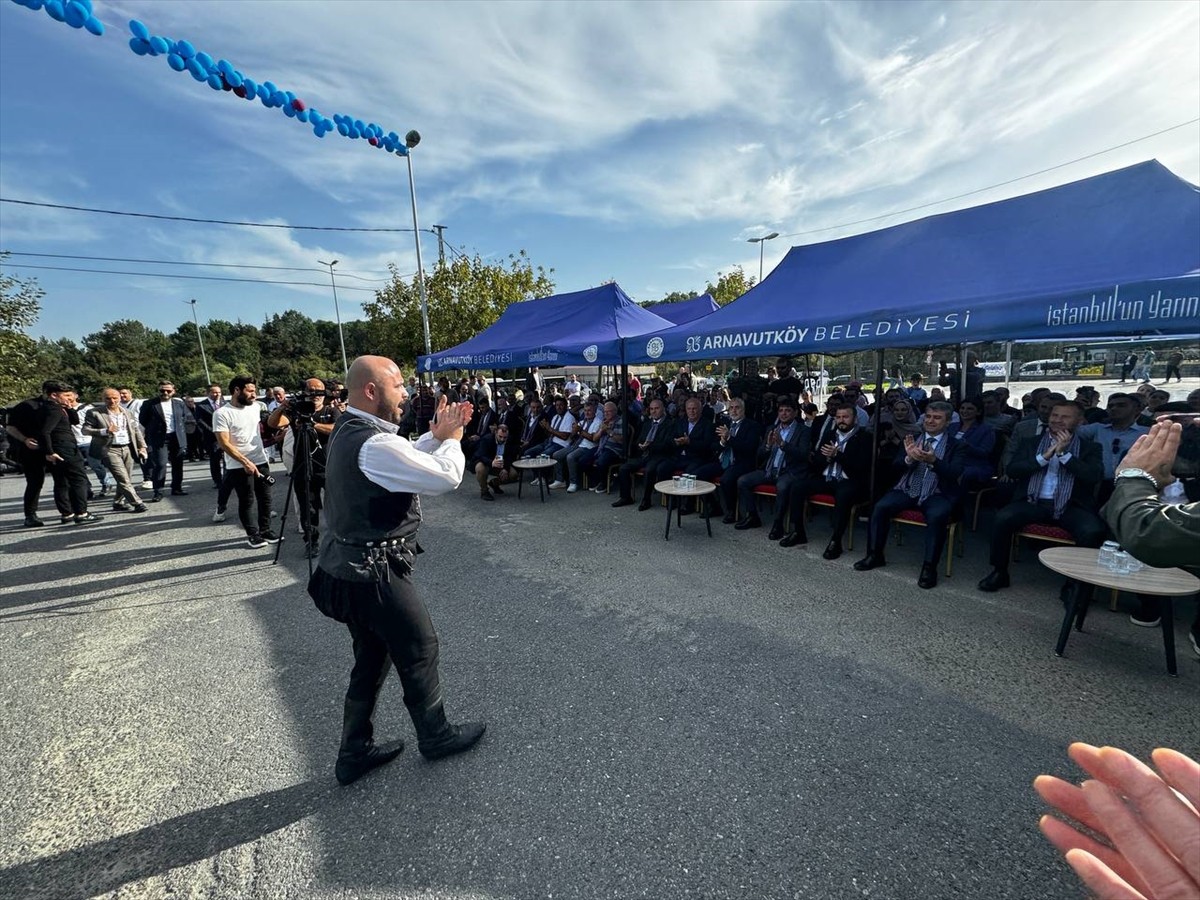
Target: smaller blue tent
(685, 310)
(575, 329)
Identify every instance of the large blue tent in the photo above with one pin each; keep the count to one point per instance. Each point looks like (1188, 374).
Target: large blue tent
(578, 328)
(685, 310)
(1117, 254)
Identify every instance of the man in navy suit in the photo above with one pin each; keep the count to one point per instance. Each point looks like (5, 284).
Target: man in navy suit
(163, 421)
(204, 420)
(931, 464)
(657, 450)
(493, 461)
(737, 443)
(786, 449)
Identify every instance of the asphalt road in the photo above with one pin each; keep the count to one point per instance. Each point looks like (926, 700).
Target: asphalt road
(716, 718)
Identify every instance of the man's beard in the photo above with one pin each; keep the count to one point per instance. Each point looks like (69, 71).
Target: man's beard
(390, 413)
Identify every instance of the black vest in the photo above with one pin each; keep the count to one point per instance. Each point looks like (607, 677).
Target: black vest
(358, 512)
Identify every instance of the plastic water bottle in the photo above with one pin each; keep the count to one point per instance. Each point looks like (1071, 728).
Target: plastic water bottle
(1105, 557)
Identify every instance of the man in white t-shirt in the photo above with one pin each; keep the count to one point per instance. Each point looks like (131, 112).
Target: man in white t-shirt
(237, 428)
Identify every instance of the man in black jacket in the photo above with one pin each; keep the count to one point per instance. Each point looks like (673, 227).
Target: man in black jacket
(1057, 475)
(166, 438)
(656, 447)
(696, 438)
(786, 460)
(932, 464)
(204, 420)
(62, 456)
(841, 467)
(493, 461)
(737, 447)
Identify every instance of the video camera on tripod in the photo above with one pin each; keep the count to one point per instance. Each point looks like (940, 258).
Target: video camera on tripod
(304, 401)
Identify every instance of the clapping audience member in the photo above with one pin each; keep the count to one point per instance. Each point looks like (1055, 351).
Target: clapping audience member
(483, 423)
(1057, 475)
(561, 431)
(493, 461)
(1131, 833)
(786, 452)
(932, 465)
(1030, 427)
(656, 449)
(610, 447)
(738, 443)
(978, 443)
(696, 438)
(842, 468)
(534, 432)
(115, 433)
(580, 454)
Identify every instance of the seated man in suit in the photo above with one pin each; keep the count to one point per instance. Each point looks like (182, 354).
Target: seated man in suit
(841, 466)
(610, 447)
(483, 423)
(932, 464)
(493, 461)
(738, 445)
(786, 450)
(1056, 474)
(656, 446)
(697, 443)
(534, 432)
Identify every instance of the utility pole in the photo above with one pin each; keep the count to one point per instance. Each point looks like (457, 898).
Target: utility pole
(441, 243)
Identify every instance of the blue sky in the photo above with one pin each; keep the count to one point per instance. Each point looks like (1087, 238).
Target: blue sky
(642, 142)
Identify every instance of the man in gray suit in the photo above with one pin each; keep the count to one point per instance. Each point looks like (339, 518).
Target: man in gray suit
(163, 421)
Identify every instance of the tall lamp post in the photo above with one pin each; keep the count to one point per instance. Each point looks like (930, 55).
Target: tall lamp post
(200, 337)
(337, 312)
(411, 140)
(760, 241)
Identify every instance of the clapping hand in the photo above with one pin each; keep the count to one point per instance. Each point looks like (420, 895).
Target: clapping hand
(1148, 818)
(449, 419)
(829, 451)
(1155, 451)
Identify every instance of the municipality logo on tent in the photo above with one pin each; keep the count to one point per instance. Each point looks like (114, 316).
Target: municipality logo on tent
(654, 348)
(428, 364)
(590, 353)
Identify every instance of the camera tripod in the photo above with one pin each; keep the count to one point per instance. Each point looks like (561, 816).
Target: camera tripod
(304, 444)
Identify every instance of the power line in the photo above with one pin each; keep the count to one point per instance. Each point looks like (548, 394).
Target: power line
(165, 262)
(139, 215)
(317, 284)
(1071, 162)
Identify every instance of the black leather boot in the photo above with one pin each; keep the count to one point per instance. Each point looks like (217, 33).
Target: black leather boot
(358, 754)
(437, 738)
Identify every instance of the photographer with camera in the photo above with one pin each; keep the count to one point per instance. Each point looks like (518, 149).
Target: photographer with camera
(308, 417)
(237, 428)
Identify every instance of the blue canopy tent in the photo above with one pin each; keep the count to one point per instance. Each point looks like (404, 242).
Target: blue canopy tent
(1113, 255)
(580, 328)
(685, 310)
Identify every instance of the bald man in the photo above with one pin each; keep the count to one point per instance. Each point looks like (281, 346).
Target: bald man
(368, 546)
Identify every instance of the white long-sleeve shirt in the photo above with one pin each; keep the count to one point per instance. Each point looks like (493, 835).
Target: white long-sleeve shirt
(396, 464)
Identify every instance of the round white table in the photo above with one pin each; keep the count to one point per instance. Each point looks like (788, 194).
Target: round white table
(674, 497)
(1082, 564)
(533, 464)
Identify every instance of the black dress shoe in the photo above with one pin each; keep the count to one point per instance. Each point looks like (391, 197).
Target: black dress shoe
(157, 498)
(643, 506)
(775, 533)
(729, 519)
(794, 539)
(870, 561)
(624, 501)
(178, 492)
(833, 551)
(486, 495)
(749, 522)
(994, 581)
(33, 522)
(928, 577)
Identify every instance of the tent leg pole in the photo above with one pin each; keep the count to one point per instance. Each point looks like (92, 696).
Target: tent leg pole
(962, 375)
(1007, 363)
(875, 431)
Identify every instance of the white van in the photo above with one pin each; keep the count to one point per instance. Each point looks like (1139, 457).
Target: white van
(1040, 368)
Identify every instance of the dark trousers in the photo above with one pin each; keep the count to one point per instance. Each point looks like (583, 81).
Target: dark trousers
(160, 454)
(34, 470)
(937, 511)
(599, 467)
(1172, 370)
(387, 623)
(846, 493)
(1125, 370)
(70, 483)
(214, 462)
(654, 467)
(783, 486)
(728, 486)
(251, 491)
(1085, 527)
(308, 501)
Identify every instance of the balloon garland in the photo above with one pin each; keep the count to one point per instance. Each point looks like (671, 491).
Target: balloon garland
(76, 13)
(220, 75)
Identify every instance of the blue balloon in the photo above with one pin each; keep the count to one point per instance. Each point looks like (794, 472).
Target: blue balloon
(75, 14)
(54, 9)
(302, 115)
(205, 60)
(197, 70)
(176, 62)
(263, 93)
(225, 66)
(138, 46)
(158, 44)
(278, 98)
(251, 88)
(270, 86)
(184, 49)
(233, 79)
(343, 130)
(94, 25)
(215, 82)
(86, 4)
(139, 30)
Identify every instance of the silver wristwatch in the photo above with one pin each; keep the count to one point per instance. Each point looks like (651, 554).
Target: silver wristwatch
(1136, 473)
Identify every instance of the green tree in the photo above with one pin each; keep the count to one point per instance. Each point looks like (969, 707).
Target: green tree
(20, 306)
(730, 285)
(126, 351)
(678, 296)
(464, 297)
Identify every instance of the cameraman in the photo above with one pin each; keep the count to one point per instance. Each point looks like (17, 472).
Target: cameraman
(309, 412)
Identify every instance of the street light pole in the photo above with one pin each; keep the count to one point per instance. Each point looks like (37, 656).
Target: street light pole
(337, 312)
(200, 337)
(760, 241)
(411, 140)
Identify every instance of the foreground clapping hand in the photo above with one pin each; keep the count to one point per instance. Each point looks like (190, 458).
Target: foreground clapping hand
(449, 419)
(1148, 818)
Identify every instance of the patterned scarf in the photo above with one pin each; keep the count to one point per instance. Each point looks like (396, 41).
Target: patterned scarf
(1066, 480)
(921, 481)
